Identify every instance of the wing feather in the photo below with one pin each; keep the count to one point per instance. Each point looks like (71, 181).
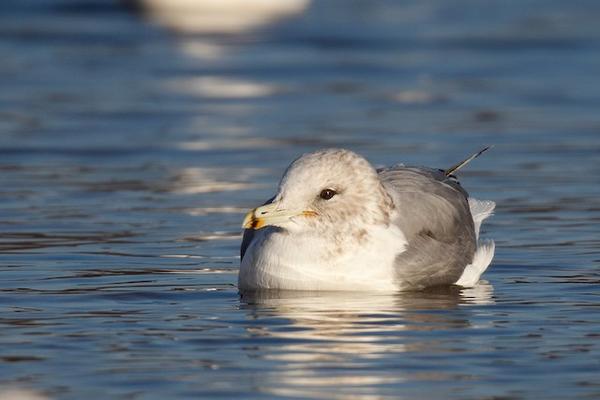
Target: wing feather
(434, 215)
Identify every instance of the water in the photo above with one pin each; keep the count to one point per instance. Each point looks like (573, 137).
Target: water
(129, 154)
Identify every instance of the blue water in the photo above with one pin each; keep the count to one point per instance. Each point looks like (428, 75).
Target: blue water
(129, 154)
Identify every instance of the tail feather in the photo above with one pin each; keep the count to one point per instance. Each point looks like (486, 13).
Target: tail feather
(480, 210)
(461, 164)
(481, 260)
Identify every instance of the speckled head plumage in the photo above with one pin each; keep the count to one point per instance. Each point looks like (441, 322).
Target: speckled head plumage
(340, 186)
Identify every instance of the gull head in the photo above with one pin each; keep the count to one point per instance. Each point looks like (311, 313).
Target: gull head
(328, 192)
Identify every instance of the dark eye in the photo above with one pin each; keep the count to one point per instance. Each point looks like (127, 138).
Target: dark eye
(326, 194)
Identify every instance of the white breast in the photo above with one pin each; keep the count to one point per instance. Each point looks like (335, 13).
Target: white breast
(296, 262)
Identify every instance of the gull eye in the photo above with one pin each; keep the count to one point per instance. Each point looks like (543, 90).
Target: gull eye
(327, 194)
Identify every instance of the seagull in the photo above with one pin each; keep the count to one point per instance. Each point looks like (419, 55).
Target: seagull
(337, 223)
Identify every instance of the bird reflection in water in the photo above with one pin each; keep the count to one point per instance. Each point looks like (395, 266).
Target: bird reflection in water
(308, 332)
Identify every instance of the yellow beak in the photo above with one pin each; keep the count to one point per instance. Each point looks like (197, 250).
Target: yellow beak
(270, 215)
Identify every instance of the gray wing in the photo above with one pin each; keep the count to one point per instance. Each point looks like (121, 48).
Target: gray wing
(435, 217)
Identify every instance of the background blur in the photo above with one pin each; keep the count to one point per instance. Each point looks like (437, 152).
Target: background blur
(134, 135)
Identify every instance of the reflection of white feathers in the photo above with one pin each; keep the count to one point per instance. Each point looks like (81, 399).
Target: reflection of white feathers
(358, 324)
(481, 294)
(485, 249)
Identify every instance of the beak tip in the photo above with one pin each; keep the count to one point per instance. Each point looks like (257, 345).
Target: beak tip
(250, 221)
(247, 223)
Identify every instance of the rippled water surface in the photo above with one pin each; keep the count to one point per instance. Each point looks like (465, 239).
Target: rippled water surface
(129, 154)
